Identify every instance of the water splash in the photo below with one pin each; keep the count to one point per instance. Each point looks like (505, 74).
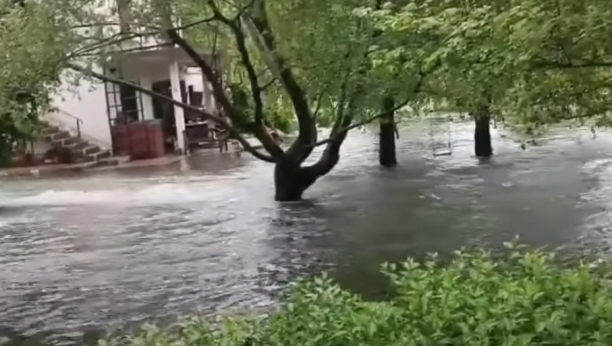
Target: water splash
(158, 194)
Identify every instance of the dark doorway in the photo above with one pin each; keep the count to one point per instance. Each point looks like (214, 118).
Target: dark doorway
(196, 98)
(165, 110)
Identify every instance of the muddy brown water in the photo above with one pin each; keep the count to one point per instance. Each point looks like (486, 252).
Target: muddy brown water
(82, 254)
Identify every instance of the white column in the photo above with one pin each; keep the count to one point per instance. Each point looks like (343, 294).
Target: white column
(179, 114)
(211, 99)
(205, 92)
(147, 101)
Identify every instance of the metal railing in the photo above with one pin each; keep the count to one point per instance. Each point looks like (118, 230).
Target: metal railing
(78, 121)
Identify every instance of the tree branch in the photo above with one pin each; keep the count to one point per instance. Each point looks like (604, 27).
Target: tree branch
(267, 42)
(359, 124)
(319, 104)
(122, 37)
(261, 131)
(417, 88)
(267, 85)
(219, 93)
(229, 128)
(246, 61)
(331, 155)
(209, 72)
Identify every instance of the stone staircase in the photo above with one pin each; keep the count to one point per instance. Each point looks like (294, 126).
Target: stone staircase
(81, 150)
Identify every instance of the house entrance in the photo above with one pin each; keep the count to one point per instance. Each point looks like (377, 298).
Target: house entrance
(164, 111)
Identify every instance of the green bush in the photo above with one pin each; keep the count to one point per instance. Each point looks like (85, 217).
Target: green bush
(524, 298)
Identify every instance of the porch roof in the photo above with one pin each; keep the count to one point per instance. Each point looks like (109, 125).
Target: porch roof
(159, 57)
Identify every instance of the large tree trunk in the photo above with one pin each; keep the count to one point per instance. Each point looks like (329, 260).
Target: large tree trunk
(290, 181)
(386, 147)
(482, 136)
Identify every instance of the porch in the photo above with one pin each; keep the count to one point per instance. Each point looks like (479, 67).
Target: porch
(145, 127)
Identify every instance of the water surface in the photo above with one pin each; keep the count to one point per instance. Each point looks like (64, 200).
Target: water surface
(119, 248)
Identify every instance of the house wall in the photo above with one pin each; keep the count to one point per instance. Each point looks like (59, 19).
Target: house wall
(86, 101)
(40, 148)
(147, 73)
(194, 77)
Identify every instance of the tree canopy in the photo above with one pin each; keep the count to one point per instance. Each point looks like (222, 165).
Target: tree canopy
(535, 62)
(531, 62)
(30, 65)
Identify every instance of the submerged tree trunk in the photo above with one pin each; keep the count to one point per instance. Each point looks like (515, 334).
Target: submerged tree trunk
(386, 148)
(290, 181)
(482, 136)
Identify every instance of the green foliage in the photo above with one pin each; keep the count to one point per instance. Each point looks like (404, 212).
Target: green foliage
(524, 298)
(32, 45)
(532, 62)
(323, 42)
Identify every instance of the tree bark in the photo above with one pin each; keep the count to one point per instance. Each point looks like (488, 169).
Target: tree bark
(386, 149)
(482, 136)
(291, 180)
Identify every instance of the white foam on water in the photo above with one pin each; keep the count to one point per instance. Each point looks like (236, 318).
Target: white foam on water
(7, 221)
(597, 167)
(160, 194)
(601, 171)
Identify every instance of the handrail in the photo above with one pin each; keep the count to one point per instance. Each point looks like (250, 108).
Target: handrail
(79, 121)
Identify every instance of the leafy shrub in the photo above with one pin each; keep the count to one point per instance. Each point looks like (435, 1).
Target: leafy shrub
(523, 298)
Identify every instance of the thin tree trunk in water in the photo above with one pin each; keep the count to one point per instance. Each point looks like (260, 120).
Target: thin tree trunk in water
(482, 136)
(386, 148)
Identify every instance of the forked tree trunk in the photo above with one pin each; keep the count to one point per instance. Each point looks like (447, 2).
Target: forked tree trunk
(290, 181)
(482, 136)
(386, 148)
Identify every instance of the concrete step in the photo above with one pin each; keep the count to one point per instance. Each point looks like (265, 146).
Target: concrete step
(77, 148)
(103, 155)
(48, 131)
(82, 150)
(110, 162)
(60, 135)
(71, 141)
(92, 149)
(65, 142)
(97, 156)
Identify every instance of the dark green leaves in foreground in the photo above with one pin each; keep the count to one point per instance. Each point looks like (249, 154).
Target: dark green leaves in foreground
(525, 298)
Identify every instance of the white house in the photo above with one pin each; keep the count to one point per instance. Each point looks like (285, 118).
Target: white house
(101, 113)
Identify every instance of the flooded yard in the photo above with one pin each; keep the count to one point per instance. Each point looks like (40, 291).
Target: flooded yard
(87, 252)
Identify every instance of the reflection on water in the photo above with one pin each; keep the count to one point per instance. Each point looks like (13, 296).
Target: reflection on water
(115, 249)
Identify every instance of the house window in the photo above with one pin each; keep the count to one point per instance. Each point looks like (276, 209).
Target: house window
(129, 103)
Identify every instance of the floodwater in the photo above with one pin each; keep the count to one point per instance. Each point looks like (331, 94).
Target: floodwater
(84, 253)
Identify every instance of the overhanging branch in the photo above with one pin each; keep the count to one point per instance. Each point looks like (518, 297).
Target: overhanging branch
(361, 123)
(259, 27)
(219, 93)
(338, 134)
(229, 128)
(123, 37)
